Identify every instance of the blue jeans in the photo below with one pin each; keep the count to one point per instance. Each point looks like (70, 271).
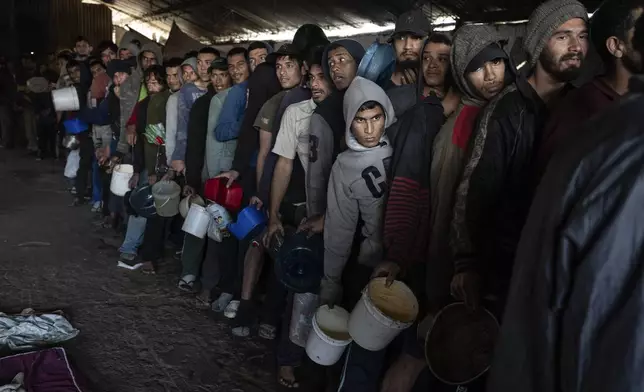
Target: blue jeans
(135, 227)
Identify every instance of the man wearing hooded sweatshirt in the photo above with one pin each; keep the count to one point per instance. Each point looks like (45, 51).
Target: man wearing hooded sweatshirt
(187, 97)
(495, 192)
(193, 249)
(340, 62)
(357, 191)
(478, 66)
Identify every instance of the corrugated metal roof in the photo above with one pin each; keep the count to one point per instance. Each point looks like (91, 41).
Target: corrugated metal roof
(217, 20)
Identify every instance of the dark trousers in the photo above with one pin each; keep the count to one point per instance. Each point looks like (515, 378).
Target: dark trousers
(86, 152)
(153, 248)
(47, 137)
(221, 266)
(288, 353)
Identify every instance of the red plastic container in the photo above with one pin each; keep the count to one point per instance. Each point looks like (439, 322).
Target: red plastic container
(230, 198)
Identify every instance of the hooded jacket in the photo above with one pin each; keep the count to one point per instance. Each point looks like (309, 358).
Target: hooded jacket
(327, 131)
(575, 310)
(448, 158)
(495, 190)
(130, 93)
(357, 188)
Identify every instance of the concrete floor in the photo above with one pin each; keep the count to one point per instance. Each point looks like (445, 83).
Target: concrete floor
(138, 333)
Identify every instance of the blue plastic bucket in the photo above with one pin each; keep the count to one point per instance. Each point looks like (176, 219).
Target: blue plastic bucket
(249, 219)
(75, 126)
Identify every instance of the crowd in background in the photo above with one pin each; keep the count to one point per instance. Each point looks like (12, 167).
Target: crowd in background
(460, 175)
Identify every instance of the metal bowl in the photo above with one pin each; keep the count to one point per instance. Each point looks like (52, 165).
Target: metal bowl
(71, 142)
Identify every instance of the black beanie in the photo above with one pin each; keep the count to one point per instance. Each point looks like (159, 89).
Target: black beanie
(115, 66)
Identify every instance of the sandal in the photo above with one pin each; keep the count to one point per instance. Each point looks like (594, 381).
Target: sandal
(147, 268)
(221, 304)
(203, 302)
(231, 310)
(267, 331)
(186, 284)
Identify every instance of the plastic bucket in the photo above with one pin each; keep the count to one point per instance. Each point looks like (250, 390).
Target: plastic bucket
(75, 126)
(184, 205)
(121, 176)
(219, 221)
(66, 99)
(166, 198)
(304, 307)
(249, 219)
(141, 201)
(197, 221)
(299, 264)
(382, 313)
(330, 335)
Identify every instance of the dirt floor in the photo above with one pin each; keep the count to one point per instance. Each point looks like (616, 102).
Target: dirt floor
(138, 333)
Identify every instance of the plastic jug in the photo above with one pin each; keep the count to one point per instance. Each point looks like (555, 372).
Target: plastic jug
(230, 198)
(249, 220)
(217, 228)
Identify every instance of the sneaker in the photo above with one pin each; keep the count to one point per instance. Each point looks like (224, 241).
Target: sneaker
(97, 206)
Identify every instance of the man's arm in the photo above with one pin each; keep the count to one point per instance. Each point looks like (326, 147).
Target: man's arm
(171, 118)
(320, 163)
(183, 110)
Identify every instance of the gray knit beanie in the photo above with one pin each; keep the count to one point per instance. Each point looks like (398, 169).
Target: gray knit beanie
(545, 20)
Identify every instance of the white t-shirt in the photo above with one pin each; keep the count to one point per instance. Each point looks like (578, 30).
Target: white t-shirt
(293, 136)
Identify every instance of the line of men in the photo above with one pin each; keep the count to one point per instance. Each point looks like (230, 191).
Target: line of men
(427, 178)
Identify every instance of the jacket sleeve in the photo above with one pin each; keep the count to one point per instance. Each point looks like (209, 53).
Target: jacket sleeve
(479, 188)
(231, 116)
(320, 163)
(339, 225)
(129, 98)
(171, 118)
(183, 110)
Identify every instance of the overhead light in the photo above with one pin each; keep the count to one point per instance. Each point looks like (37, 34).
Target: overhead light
(91, 2)
(32, 52)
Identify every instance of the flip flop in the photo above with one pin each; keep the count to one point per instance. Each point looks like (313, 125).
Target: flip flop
(267, 331)
(231, 309)
(186, 286)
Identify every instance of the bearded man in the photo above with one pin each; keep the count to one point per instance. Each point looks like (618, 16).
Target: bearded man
(495, 192)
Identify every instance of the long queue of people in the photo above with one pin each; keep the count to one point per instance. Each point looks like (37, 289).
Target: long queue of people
(467, 179)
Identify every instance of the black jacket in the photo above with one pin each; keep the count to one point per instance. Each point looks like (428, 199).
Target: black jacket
(495, 192)
(575, 310)
(197, 133)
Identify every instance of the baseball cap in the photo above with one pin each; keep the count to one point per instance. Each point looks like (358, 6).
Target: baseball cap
(219, 64)
(284, 50)
(412, 22)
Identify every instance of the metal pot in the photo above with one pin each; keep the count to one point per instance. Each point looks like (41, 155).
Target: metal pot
(71, 142)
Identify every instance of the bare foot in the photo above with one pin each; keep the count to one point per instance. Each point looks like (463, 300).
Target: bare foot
(203, 300)
(286, 377)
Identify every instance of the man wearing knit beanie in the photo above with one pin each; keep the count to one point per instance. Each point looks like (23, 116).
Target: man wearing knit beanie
(496, 187)
(556, 38)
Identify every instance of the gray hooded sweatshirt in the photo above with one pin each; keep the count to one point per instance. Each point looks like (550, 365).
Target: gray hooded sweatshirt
(130, 93)
(357, 188)
(448, 160)
(219, 155)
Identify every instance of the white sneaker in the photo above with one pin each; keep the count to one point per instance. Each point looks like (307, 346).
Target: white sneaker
(97, 206)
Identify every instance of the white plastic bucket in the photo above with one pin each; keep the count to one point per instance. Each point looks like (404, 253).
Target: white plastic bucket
(197, 221)
(184, 205)
(166, 198)
(219, 220)
(305, 306)
(65, 99)
(382, 313)
(120, 184)
(330, 335)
